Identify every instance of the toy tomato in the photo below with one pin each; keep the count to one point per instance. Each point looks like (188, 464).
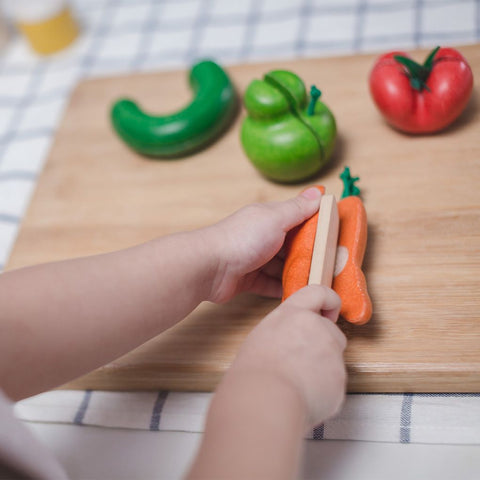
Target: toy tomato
(421, 98)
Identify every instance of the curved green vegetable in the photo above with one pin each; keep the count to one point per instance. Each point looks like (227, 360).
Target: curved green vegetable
(211, 110)
(286, 136)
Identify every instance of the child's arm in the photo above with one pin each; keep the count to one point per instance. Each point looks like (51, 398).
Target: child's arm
(61, 320)
(289, 375)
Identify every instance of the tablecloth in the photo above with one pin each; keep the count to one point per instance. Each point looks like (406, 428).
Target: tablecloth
(120, 36)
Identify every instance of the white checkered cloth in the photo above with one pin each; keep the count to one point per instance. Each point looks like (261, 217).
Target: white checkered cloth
(403, 418)
(146, 35)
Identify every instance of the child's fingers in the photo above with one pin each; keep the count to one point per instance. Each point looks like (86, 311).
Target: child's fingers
(282, 253)
(323, 301)
(296, 210)
(266, 286)
(274, 267)
(331, 314)
(316, 298)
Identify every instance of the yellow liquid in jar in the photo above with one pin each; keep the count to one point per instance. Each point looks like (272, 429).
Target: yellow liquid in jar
(52, 34)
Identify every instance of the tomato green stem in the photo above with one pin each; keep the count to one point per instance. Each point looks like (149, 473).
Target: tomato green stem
(349, 187)
(314, 96)
(418, 73)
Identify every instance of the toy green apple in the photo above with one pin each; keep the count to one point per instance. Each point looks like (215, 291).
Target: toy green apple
(286, 137)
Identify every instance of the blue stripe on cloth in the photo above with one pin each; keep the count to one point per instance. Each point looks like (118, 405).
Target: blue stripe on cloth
(28, 99)
(359, 25)
(264, 50)
(8, 102)
(198, 29)
(149, 27)
(82, 409)
(442, 37)
(417, 27)
(448, 395)
(251, 23)
(406, 418)
(99, 35)
(305, 14)
(477, 19)
(319, 432)
(26, 135)
(7, 218)
(299, 46)
(17, 175)
(157, 410)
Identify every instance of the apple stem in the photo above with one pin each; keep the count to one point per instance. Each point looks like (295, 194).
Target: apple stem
(349, 187)
(314, 96)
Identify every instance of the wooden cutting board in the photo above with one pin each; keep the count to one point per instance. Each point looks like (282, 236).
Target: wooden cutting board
(421, 194)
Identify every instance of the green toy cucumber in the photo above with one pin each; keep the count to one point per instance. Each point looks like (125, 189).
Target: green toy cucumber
(211, 110)
(287, 137)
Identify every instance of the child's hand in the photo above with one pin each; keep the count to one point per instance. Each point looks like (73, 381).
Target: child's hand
(299, 344)
(247, 245)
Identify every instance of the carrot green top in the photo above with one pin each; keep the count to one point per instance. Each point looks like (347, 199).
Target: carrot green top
(349, 187)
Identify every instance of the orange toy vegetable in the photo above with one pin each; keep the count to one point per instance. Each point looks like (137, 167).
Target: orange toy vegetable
(299, 250)
(349, 281)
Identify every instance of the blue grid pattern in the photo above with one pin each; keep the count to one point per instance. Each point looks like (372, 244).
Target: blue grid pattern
(123, 36)
(403, 418)
(82, 409)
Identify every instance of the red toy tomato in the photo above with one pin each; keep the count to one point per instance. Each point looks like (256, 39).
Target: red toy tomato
(421, 98)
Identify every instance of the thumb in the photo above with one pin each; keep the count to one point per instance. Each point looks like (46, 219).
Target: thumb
(322, 300)
(318, 299)
(298, 209)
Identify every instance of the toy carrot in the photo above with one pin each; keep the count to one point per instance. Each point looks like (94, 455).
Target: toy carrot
(299, 250)
(349, 281)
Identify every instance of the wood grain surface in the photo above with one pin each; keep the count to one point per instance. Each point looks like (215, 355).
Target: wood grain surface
(421, 194)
